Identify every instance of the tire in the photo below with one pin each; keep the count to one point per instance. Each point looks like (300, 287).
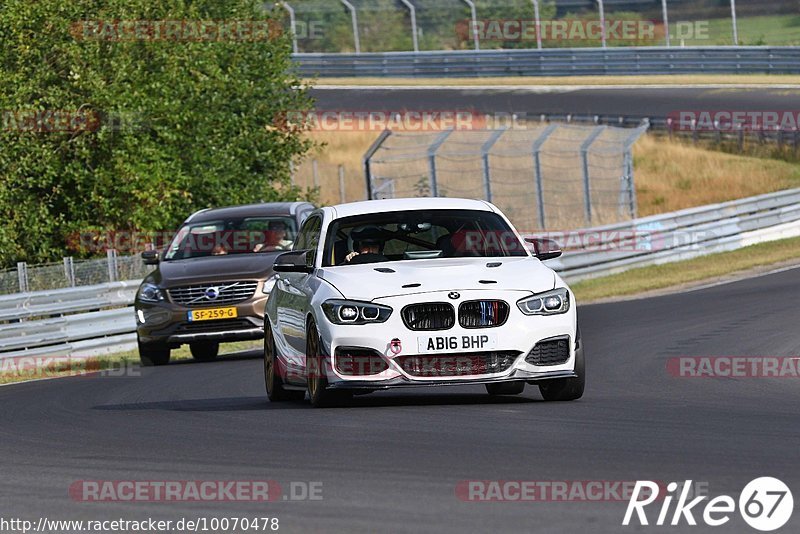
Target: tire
(272, 378)
(567, 389)
(204, 351)
(320, 396)
(153, 354)
(510, 388)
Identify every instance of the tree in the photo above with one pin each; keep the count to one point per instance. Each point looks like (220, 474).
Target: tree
(173, 121)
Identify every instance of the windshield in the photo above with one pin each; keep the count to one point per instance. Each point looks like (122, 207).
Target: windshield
(415, 235)
(232, 236)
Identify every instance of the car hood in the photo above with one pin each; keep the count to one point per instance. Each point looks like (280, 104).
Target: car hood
(215, 269)
(371, 281)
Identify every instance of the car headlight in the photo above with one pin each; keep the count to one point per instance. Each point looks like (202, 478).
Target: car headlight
(268, 286)
(353, 312)
(150, 293)
(553, 302)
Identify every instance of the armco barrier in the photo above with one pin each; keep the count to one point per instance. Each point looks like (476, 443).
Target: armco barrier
(99, 319)
(556, 62)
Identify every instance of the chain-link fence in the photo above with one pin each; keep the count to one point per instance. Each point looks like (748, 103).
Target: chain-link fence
(334, 184)
(404, 25)
(71, 273)
(545, 176)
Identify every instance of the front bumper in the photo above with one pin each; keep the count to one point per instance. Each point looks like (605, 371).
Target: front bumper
(166, 322)
(518, 335)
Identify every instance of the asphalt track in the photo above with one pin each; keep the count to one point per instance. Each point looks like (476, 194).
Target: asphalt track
(637, 102)
(390, 462)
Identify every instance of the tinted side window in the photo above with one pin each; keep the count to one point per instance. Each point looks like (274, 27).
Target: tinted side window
(308, 239)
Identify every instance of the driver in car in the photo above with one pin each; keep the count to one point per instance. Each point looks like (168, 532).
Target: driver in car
(368, 245)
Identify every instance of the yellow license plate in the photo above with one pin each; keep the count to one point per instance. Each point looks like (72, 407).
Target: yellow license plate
(213, 313)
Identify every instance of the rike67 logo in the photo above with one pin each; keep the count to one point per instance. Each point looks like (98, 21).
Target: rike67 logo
(766, 504)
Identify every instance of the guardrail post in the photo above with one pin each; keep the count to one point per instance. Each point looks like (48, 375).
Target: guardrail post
(342, 195)
(111, 256)
(432, 161)
(587, 192)
(69, 271)
(22, 275)
(474, 23)
(413, 12)
(293, 25)
(354, 19)
(537, 172)
(487, 173)
(368, 159)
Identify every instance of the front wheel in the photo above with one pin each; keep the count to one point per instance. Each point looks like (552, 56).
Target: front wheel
(318, 392)
(152, 354)
(567, 389)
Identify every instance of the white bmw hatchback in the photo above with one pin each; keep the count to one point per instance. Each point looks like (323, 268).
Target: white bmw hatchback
(418, 292)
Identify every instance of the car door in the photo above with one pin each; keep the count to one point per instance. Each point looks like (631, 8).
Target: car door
(294, 294)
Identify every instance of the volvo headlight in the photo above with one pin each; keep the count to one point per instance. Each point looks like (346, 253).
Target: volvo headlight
(269, 284)
(553, 302)
(150, 293)
(353, 312)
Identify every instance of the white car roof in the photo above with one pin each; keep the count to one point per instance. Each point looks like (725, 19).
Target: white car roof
(408, 204)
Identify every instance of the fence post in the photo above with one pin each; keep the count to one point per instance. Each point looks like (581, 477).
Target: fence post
(342, 195)
(368, 159)
(665, 17)
(474, 23)
(538, 23)
(602, 8)
(291, 173)
(487, 173)
(413, 11)
(432, 161)
(69, 271)
(628, 187)
(537, 171)
(111, 257)
(22, 275)
(734, 23)
(293, 24)
(315, 172)
(587, 193)
(354, 19)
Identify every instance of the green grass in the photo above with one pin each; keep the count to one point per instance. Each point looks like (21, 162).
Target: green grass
(707, 268)
(111, 363)
(773, 30)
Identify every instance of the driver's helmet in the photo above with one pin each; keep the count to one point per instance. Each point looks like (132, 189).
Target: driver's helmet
(368, 236)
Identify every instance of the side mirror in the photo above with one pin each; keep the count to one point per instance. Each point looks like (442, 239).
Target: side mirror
(544, 249)
(297, 261)
(151, 257)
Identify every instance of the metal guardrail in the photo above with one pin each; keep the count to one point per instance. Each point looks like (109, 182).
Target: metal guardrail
(90, 320)
(556, 62)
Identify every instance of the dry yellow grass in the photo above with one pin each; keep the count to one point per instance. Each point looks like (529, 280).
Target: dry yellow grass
(670, 175)
(754, 79)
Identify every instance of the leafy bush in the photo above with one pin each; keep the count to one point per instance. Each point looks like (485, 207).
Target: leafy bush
(182, 124)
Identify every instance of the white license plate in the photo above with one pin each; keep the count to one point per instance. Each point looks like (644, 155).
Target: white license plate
(474, 342)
